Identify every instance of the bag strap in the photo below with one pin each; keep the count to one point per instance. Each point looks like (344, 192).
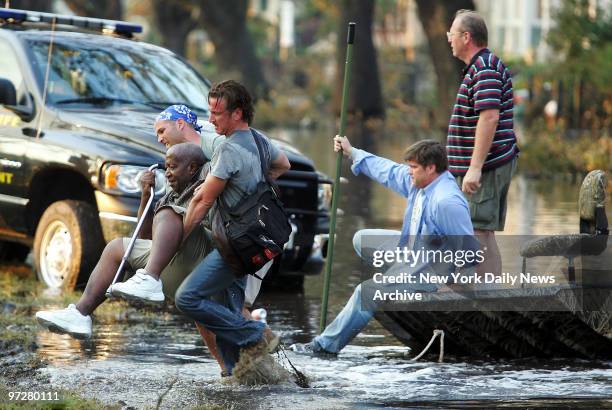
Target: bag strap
(264, 168)
(256, 137)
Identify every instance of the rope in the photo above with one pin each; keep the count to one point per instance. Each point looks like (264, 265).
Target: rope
(44, 97)
(300, 378)
(436, 333)
(441, 355)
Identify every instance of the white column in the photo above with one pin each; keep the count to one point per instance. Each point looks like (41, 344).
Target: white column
(287, 27)
(527, 23)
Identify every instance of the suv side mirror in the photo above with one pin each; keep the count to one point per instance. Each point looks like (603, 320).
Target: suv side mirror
(8, 98)
(8, 95)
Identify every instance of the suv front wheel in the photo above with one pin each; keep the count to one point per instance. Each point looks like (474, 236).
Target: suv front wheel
(67, 244)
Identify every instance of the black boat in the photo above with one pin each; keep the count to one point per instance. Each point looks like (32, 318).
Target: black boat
(573, 319)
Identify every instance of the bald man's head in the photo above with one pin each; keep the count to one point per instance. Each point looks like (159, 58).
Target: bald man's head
(182, 162)
(186, 151)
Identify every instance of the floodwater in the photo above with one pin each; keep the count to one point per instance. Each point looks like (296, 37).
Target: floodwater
(134, 359)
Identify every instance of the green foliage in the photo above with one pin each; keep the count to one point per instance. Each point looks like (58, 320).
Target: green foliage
(300, 95)
(19, 288)
(324, 14)
(262, 35)
(17, 330)
(547, 153)
(21, 295)
(67, 400)
(582, 38)
(19, 299)
(385, 9)
(602, 72)
(26, 295)
(580, 29)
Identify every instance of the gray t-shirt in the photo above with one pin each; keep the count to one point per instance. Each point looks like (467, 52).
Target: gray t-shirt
(210, 140)
(236, 160)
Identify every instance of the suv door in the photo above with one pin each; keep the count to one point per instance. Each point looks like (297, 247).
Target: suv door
(13, 146)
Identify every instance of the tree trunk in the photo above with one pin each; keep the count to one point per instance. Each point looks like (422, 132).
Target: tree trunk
(225, 23)
(175, 20)
(436, 17)
(34, 5)
(365, 96)
(104, 9)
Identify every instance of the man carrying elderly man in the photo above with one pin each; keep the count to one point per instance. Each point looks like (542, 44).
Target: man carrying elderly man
(160, 260)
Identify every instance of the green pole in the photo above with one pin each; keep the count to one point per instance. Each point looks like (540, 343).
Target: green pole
(336, 193)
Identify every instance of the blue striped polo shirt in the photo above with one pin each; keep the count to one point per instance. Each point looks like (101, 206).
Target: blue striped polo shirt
(487, 84)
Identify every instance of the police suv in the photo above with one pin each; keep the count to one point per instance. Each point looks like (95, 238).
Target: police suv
(78, 98)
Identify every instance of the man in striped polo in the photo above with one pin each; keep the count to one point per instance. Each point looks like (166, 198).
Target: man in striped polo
(481, 143)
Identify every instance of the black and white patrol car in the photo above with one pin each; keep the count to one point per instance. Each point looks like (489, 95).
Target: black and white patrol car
(78, 97)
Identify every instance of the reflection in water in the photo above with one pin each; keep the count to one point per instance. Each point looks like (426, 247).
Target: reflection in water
(58, 348)
(132, 334)
(542, 207)
(141, 350)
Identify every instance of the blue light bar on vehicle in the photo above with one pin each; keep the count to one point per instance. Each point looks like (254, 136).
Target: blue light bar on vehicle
(21, 16)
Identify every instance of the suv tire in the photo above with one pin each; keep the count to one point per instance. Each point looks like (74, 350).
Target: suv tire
(67, 244)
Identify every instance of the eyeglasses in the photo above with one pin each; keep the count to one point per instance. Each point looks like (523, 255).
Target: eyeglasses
(450, 34)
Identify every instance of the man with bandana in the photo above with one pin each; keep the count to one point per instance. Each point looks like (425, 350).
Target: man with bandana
(158, 251)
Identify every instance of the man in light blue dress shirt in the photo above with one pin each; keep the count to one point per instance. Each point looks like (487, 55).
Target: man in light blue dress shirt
(435, 208)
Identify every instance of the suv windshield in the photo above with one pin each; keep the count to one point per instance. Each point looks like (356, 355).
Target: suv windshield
(101, 71)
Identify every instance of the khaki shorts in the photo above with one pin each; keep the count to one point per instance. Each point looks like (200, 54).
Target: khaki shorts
(488, 204)
(197, 246)
(189, 255)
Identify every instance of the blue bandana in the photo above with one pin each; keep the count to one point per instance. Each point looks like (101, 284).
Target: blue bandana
(174, 112)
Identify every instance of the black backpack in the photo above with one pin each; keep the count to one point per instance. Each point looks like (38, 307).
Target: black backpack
(256, 228)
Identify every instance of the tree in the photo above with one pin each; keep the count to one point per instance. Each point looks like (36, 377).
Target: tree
(35, 5)
(365, 96)
(582, 38)
(105, 9)
(225, 23)
(436, 16)
(175, 20)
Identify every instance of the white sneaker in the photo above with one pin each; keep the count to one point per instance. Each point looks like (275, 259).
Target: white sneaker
(138, 287)
(68, 320)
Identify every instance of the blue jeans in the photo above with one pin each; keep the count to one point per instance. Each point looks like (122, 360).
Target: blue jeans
(361, 306)
(349, 322)
(353, 317)
(195, 299)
